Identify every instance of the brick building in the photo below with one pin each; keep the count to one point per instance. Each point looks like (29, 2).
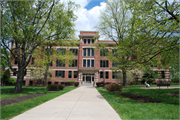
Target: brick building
(89, 65)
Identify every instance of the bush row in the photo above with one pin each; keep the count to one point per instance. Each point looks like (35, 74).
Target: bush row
(113, 87)
(100, 84)
(55, 87)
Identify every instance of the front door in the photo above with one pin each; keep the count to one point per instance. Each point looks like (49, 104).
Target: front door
(88, 79)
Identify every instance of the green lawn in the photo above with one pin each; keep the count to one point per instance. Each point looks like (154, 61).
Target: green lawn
(18, 108)
(131, 109)
(6, 91)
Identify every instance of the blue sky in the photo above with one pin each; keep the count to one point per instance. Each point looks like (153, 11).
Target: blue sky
(88, 14)
(94, 3)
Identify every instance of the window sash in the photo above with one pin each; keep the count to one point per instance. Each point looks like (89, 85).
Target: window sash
(104, 63)
(74, 51)
(88, 63)
(92, 63)
(60, 63)
(60, 73)
(107, 75)
(75, 74)
(62, 51)
(70, 74)
(101, 75)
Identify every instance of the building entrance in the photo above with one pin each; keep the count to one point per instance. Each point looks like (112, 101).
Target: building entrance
(88, 78)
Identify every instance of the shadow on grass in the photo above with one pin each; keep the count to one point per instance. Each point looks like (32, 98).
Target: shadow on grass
(159, 94)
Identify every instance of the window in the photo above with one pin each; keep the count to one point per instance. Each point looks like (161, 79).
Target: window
(92, 63)
(84, 63)
(114, 52)
(88, 63)
(163, 74)
(60, 73)
(60, 63)
(32, 61)
(75, 74)
(92, 41)
(84, 52)
(14, 74)
(104, 52)
(61, 51)
(70, 74)
(74, 63)
(84, 41)
(74, 51)
(51, 64)
(88, 52)
(104, 63)
(88, 41)
(101, 75)
(107, 75)
(114, 75)
(114, 64)
(15, 62)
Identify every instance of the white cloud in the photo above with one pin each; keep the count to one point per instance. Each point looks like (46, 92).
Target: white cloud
(87, 19)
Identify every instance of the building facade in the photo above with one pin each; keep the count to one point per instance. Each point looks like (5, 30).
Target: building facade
(89, 65)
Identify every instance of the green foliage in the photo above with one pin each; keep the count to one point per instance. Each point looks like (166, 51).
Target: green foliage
(113, 87)
(4, 62)
(12, 80)
(148, 75)
(6, 74)
(71, 81)
(29, 24)
(2, 74)
(55, 87)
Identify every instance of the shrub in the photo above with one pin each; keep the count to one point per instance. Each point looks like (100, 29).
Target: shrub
(134, 83)
(108, 83)
(12, 80)
(55, 87)
(68, 83)
(98, 84)
(113, 87)
(76, 84)
(6, 74)
(61, 87)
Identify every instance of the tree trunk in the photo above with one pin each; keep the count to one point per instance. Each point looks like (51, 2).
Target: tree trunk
(20, 76)
(46, 74)
(124, 78)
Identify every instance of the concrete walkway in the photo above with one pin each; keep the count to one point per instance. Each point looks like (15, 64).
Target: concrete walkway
(83, 103)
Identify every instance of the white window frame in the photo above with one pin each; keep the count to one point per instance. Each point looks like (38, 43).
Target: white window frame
(86, 62)
(87, 51)
(87, 41)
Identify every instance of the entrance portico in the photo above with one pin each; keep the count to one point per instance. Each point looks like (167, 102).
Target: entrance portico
(88, 78)
(88, 75)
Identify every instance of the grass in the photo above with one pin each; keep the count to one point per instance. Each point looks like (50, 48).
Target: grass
(131, 109)
(18, 108)
(6, 91)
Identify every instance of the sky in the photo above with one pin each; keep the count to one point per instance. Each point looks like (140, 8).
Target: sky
(88, 14)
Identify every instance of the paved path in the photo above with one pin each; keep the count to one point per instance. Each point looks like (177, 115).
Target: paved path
(83, 103)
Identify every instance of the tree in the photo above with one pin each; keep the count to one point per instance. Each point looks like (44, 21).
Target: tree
(116, 25)
(148, 75)
(4, 62)
(157, 28)
(45, 56)
(145, 35)
(29, 24)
